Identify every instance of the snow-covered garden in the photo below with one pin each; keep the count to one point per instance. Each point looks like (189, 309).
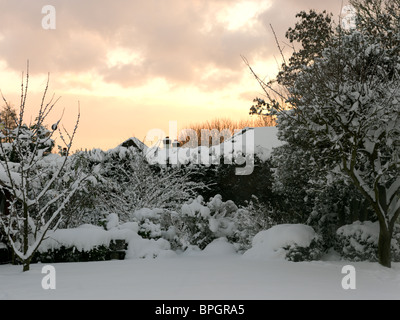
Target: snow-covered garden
(125, 245)
(153, 271)
(215, 273)
(305, 210)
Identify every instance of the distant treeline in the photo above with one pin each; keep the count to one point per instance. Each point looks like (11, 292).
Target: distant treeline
(216, 131)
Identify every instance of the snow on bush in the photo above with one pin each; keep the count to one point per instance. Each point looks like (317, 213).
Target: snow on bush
(199, 223)
(219, 247)
(125, 184)
(284, 241)
(212, 228)
(193, 224)
(149, 222)
(149, 248)
(359, 241)
(83, 238)
(89, 237)
(112, 221)
(145, 213)
(249, 221)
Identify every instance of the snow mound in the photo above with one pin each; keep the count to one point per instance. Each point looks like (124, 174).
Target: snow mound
(149, 249)
(366, 231)
(359, 241)
(83, 238)
(112, 221)
(195, 207)
(87, 237)
(219, 247)
(271, 243)
(132, 226)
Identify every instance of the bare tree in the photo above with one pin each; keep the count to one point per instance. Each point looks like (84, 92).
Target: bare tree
(129, 183)
(213, 132)
(31, 175)
(7, 121)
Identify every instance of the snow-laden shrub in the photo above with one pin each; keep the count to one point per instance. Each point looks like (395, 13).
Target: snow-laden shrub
(249, 221)
(128, 183)
(359, 242)
(84, 243)
(94, 243)
(293, 242)
(337, 203)
(219, 247)
(222, 222)
(71, 254)
(193, 224)
(199, 223)
(311, 252)
(149, 249)
(122, 181)
(149, 222)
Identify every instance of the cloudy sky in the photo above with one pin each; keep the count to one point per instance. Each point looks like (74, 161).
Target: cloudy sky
(137, 65)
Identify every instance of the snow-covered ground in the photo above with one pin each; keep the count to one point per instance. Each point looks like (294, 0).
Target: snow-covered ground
(214, 274)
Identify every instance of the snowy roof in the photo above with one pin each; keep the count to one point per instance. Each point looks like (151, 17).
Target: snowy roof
(134, 142)
(249, 141)
(264, 137)
(120, 150)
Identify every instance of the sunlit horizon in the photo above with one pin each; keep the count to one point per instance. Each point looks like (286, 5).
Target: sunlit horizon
(130, 74)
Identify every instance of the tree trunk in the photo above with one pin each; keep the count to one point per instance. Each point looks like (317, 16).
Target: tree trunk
(380, 207)
(25, 266)
(384, 246)
(26, 237)
(386, 231)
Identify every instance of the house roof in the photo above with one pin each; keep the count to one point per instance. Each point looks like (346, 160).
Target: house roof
(259, 141)
(134, 142)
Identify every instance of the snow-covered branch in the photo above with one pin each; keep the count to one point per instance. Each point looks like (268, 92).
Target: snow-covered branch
(34, 177)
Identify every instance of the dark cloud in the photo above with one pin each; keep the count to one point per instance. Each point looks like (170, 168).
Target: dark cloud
(282, 14)
(179, 40)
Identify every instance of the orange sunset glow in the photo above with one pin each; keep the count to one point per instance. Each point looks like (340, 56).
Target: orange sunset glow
(133, 66)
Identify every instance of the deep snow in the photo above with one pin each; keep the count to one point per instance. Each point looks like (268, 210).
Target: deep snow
(215, 273)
